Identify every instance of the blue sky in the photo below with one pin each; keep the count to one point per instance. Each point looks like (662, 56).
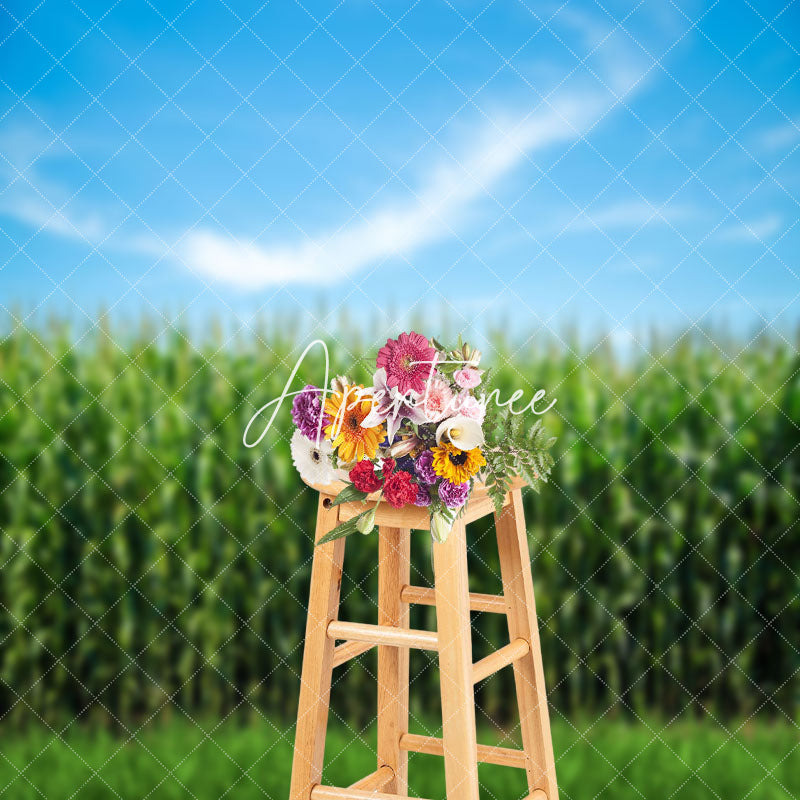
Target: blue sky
(614, 164)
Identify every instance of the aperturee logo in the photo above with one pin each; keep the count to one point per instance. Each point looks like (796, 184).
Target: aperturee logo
(428, 430)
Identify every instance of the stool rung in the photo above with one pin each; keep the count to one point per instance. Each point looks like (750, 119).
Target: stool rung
(342, 653)
(537, 794)
(423, 596)
(320, 792)
(375, 781)
(383, 634)
(506, 655)
(487, 754)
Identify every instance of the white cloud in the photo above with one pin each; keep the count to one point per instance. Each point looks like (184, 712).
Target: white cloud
(26, 206)
(437, 207)
(400, 228)
(629, 215)
(47, 205)
(752, 231)
(25, 203)
(781, 136)
(441, 202)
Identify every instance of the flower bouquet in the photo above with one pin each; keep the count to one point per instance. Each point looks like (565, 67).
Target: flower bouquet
(423, 434)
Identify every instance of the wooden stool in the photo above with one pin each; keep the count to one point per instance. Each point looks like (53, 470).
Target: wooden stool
(452, 640)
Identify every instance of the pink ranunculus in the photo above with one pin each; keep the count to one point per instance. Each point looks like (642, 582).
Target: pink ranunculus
(468, 406)
(467, 378)
(408, 361)
(437, 400)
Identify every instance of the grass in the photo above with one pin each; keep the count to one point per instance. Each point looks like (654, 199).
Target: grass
(609, 758)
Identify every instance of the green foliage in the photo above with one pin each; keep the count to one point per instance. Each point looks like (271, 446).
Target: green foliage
(209, 759)
(514, 448)
(150, 563)
(348, 495)
(366, 518)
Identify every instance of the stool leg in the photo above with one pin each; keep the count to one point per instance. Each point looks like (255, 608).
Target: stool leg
(455, 665)
(512, 541)
(315, 681)
(394, 572)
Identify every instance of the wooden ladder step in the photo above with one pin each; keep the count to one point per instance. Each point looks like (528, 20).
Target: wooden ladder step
(487, 754)
(506, 655)
(383, 634)
(342, 653)
(375, 781)
(423, 596)
(320, 792)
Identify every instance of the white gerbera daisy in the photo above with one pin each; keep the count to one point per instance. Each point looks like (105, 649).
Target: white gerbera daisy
(312, 462)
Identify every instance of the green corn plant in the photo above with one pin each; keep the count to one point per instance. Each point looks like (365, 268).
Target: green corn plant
(151, 564)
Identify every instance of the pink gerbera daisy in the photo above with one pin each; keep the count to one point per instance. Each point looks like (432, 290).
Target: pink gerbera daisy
(408, 361)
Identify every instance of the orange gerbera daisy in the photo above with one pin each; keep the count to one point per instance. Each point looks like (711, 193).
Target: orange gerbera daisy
(347, 410)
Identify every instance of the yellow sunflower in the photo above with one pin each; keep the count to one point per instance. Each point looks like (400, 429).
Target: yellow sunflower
(347, 409)
(457, 466)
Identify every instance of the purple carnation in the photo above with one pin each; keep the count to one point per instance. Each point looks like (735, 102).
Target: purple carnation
(423, 466)
(423, 496)
(454, 495)
(307, 410)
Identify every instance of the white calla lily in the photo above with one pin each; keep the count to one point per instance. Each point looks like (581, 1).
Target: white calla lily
(463, 432)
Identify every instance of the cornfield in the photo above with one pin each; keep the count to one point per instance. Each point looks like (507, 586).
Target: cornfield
(151, 564)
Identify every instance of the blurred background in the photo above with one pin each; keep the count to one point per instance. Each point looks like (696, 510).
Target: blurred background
(602, 197)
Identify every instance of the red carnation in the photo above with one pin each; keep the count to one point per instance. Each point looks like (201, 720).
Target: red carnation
(364, 478)
(399, 490)
(388, 467)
